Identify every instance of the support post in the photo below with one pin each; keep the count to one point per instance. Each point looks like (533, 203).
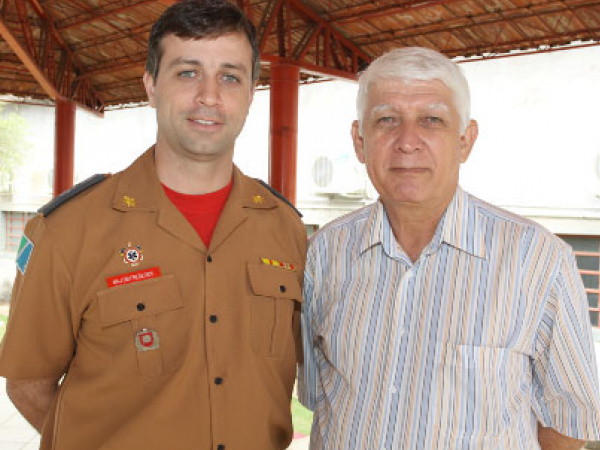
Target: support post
(64, 145)
(284, 129)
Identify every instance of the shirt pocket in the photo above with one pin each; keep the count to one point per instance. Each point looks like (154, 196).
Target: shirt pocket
(143, 326)
(276, 295)
(479, 388)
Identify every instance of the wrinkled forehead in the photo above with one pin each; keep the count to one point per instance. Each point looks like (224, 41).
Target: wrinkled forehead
(389, 93)
(433, 106)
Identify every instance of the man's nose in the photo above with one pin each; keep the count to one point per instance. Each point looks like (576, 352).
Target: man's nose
(408, 138)
(208, 92)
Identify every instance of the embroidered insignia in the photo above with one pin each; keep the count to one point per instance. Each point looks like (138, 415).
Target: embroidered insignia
(274, 262)
(129, 201)
(128, 278)
(146, 340)
(24, 253)
(132, 254)
(258, 199)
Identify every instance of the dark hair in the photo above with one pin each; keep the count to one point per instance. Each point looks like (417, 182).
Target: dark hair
(197, 19)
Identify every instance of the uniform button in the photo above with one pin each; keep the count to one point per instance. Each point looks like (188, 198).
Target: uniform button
(140, 306)
(220, 447)
(218, 380)
(209, 258)
(282, 289)
(213, 318)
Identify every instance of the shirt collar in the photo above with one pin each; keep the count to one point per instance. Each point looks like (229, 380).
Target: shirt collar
(460, 227)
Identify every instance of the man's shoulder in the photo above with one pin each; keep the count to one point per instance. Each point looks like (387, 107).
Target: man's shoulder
(87, 199)
(350, 222)
(257, 194)
(514, 223)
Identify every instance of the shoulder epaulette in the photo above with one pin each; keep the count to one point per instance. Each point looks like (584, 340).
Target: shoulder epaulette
(279, 196)
(70, 193)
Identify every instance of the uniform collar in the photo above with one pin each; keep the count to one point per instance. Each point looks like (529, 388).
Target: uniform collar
(139, 189)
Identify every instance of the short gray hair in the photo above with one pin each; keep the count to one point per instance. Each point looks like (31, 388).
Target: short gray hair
(416, 63)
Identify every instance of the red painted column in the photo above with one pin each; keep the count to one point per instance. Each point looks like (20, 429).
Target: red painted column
(283, 143)
(64, 145)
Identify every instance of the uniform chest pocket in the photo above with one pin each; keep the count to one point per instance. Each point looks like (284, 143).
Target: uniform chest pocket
(143, 326)
(277, 297)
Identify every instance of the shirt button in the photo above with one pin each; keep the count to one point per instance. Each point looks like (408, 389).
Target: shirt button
(209, 258)
(220, 447)
(282, 289)
(218, 381)
(140, 306)
(213, 318)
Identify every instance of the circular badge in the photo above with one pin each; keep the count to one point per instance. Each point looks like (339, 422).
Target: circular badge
(132, 254)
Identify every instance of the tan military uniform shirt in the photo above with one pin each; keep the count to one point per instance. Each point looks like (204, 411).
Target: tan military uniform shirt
(164, 344)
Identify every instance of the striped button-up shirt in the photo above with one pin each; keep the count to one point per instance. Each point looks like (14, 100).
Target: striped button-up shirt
(485, 335)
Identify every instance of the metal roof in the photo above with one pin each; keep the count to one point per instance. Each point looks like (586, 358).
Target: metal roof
(93, 51)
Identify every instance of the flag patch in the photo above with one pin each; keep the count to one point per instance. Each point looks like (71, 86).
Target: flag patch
(24, 253)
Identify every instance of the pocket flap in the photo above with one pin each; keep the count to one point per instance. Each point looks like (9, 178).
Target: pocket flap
(277, 282)
(136, 300)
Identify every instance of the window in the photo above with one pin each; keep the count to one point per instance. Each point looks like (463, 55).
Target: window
(15, 224)
(587, 252)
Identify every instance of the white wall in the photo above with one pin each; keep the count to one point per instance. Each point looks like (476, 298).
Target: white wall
(538, 146)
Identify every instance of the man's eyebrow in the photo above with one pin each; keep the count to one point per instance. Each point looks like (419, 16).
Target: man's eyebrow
(198, 63)
(379, 108)
(184, 61)
(234, 66)
(439, 106)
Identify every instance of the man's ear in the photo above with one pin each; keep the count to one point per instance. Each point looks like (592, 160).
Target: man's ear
(467, 140)
(359, 143)
(150, 88)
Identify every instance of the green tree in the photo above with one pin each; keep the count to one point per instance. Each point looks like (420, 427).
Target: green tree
(13, 146)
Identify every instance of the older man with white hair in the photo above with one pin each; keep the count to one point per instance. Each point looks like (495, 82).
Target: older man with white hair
(431, 319)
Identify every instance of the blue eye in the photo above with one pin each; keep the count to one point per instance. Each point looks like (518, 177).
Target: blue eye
(231, 78)
(186, 74)
(433, 120)
(388, 120)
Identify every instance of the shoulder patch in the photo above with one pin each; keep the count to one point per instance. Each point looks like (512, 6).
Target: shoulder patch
(24, 253)
(70, 193)
(279, 196)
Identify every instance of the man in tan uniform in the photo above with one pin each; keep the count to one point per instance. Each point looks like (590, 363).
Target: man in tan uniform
(158, 308)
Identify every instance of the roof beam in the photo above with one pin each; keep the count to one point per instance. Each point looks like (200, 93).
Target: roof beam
(51, 49)
(305, 39)
(473, 22)
(388, 11)
(29, 62)
(91, 15)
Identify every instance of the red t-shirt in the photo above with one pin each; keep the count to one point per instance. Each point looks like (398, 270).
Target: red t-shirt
(202, 211)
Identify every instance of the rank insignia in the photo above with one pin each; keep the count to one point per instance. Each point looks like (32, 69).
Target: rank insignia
(132, 254)
(274, 262)
(146, 340)
(258, 199)
(129, 201)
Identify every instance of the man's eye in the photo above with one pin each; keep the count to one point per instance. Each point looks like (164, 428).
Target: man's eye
(432, 121)
(231, 78)
(186, 74)
(387, 120)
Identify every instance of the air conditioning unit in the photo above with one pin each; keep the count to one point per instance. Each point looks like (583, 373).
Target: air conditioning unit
(338, 177)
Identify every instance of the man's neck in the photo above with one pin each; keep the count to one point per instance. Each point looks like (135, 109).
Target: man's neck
(192, 177)
(414, 226)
